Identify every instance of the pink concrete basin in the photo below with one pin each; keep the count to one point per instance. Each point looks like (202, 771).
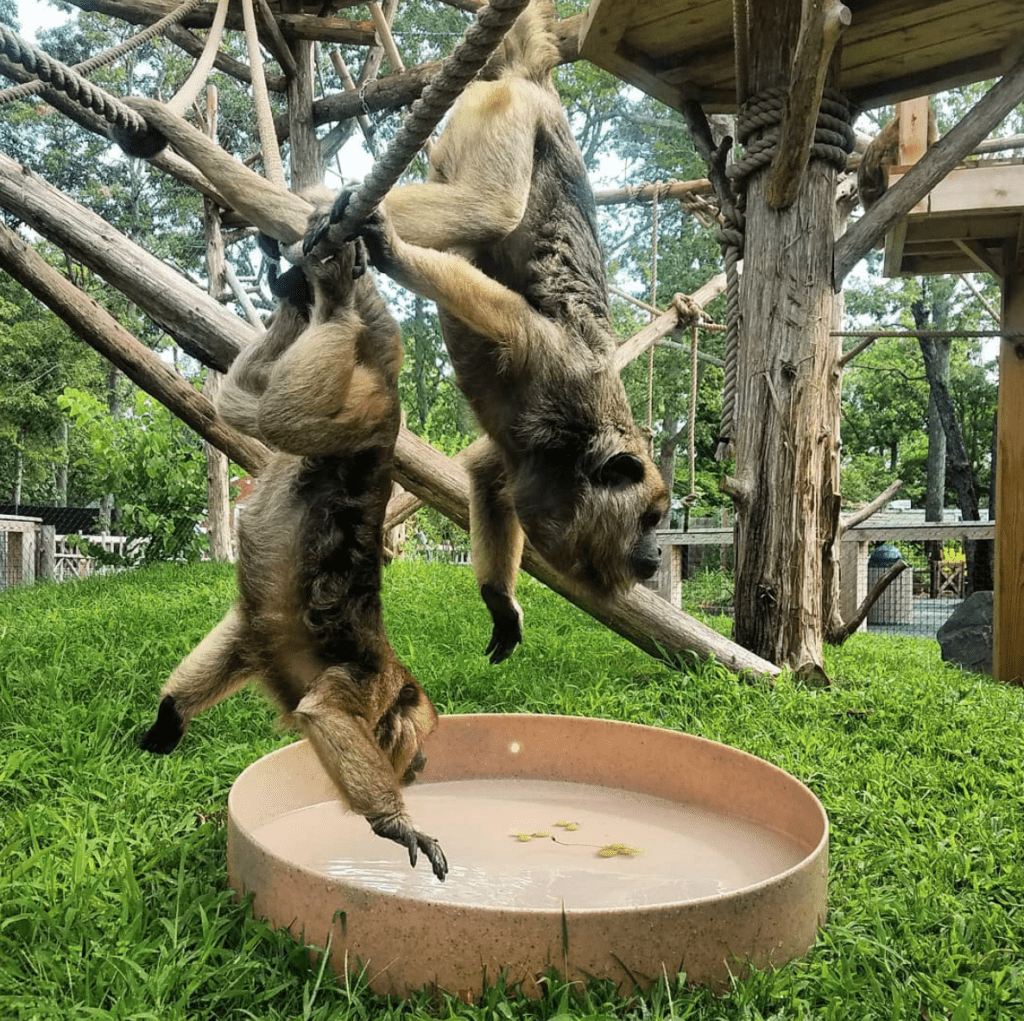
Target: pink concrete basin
(592, 847)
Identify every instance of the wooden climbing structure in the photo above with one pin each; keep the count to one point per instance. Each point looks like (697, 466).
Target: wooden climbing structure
(973, 221)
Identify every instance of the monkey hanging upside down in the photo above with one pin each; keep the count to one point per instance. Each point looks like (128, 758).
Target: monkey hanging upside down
(503, 236)
(321, 387)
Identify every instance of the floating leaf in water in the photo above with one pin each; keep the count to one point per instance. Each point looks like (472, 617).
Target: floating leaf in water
(541, 833)
(611, 850)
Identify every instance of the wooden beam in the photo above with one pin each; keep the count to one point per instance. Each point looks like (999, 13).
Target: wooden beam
(101, 331)
(821, 24)
(980, 255)
(938, 161)
(297, 26)
(1008, 653)
(198, 323)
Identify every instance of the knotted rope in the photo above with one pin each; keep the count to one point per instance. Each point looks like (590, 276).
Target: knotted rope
(59, 76)
(106, 57)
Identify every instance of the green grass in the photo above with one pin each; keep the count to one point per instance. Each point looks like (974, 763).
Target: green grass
(113, 901)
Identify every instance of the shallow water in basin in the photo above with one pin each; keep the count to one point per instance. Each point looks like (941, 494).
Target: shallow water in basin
(684, 853)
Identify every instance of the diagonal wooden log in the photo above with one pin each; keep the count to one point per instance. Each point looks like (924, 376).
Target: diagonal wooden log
(201, 326)
(647, 337)
(936, 163)
(640, 616)
(101, 331)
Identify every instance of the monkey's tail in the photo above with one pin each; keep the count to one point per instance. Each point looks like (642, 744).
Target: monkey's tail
(530, 47)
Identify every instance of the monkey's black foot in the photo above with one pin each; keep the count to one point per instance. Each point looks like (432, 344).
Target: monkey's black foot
(319, 224)
(164, 735)
(399, 829)
(507, 616)
(269, 246)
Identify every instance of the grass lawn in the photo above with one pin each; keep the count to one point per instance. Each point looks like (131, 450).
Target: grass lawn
(113, 901)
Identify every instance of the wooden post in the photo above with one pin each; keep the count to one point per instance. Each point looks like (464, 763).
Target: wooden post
(914, 141)
(787, 429)
(218, 503)
(1008, 654)
(47, 552)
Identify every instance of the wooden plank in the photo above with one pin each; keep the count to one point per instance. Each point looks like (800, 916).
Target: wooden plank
(913, 130)
(1008, 653)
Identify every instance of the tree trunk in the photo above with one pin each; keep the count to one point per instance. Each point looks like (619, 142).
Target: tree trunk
(62, 465)
(787, 434)
(935, 486)
(977, 553)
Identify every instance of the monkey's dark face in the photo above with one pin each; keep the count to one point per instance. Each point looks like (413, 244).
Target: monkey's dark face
(404, 726)
(598, 527)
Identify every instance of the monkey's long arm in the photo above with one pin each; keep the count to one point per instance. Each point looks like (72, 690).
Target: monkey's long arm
(359, 768)
(497, 551)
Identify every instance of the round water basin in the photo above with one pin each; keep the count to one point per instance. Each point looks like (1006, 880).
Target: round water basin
(591, 847)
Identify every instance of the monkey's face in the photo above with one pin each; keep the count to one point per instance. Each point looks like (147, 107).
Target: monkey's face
(596, 526)
(404, 726)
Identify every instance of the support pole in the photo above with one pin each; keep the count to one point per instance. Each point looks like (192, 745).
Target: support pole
(1008, 654)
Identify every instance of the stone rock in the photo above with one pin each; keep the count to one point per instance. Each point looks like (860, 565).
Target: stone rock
(966, 638)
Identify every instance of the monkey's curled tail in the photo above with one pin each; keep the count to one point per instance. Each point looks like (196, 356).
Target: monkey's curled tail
(530, 48)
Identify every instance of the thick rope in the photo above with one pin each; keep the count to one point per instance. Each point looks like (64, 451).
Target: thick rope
(457, 71)
(60, 76)
(107, 56)
(188, 92)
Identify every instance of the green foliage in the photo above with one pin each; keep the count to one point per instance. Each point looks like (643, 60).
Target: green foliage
(154, 467)
(112, 896)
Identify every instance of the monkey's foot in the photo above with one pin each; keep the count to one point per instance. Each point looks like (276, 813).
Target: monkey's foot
(507, 616)
(318, 225)
(164, 735)
(399, 829)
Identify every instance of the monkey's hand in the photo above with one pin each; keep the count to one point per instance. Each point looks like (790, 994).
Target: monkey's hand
(507, 616)
(399, 829)
(166, 732)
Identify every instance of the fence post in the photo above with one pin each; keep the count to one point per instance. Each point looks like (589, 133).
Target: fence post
(47, 553)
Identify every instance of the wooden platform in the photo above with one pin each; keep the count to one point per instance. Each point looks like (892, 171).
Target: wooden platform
(971, 222)
(893, 49)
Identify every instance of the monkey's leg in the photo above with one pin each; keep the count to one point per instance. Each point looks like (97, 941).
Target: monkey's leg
(246, 380)
(318, 398)
(209, 673)
(497, 542)
(345, 746)
(482, 170)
